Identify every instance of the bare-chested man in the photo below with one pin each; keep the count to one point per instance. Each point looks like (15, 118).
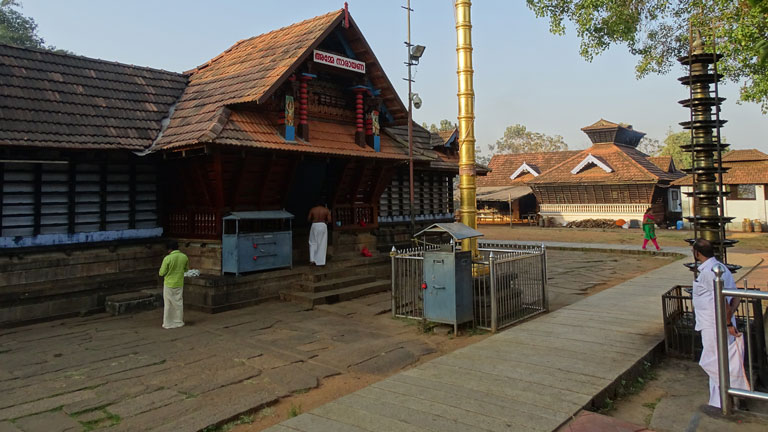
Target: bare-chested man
(319, 216)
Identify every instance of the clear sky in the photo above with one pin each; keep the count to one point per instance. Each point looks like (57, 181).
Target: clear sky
(523, 74)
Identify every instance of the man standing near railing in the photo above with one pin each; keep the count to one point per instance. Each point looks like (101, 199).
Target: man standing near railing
(704, 306)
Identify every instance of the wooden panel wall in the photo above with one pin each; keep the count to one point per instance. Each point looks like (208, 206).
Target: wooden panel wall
(594, 194)
(61, 198)
(433, 194)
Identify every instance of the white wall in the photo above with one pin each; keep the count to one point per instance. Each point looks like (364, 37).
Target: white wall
(738, 209)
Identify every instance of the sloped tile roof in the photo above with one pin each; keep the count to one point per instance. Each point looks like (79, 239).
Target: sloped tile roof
(253, 129)
(628, 164)
(748, 172)
(251, 69)
(744, 155)
(663, 162)
(502, 166)
(243, 73)
(66, 101)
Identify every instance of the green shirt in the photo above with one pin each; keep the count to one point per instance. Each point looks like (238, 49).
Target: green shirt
(173, 268)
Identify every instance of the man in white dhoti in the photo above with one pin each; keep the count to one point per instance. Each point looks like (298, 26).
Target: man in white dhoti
(319, 216)
(704, 306)
(175, 264)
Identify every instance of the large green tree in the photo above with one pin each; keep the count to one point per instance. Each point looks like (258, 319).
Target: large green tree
(657, 32)
(518, 139)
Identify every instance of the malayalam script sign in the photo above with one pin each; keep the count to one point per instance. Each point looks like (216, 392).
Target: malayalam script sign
(339, 61)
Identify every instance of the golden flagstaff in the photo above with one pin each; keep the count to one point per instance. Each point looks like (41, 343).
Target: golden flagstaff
(466, 94)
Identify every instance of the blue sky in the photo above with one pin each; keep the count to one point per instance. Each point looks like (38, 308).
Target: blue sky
(523, 74)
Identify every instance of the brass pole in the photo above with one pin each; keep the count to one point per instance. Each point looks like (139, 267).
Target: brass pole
(466, 94)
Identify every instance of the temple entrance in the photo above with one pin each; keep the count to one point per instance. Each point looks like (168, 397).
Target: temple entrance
(314, 181)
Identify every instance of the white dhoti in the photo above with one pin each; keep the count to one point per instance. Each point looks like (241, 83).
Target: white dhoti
(173, 310)
(318, 243)
(708, 362)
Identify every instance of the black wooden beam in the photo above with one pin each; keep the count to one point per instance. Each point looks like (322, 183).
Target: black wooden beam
(71, 197)
(132, 196)
(103, 196)
(38, 198)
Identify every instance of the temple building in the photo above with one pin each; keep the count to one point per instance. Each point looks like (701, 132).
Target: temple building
(101, 159)
(504, 196)
(611, 180)
(747, 183)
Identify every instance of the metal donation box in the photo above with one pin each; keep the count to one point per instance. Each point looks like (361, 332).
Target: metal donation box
(448, 276)
(256, 240)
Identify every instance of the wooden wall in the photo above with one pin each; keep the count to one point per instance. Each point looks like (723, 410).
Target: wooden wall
(77, 194)
(636, 193)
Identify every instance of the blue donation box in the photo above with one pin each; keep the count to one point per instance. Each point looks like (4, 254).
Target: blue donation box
(256, 240)
(448, 281)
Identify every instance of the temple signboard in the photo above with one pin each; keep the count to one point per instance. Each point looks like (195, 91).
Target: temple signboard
(339, 61)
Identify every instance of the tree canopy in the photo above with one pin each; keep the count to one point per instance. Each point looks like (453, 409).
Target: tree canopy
(657, 31)
(445, 125)
(672, 144)
(518, 139)
(19, 30)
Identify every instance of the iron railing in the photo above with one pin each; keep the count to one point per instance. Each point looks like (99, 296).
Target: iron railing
(755, 343)
(509, 283)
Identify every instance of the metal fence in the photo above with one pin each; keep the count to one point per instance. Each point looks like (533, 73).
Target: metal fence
(509, 283)
(680, 338)
(751, 323)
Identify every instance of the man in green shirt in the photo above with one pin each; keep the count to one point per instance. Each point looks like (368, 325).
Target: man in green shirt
(175, 264)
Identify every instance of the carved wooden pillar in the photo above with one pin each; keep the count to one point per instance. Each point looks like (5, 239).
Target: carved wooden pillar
(359, 133)
(304, 106)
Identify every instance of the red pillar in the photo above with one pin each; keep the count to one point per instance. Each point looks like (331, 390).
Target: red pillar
(304, 106)
(359, 133)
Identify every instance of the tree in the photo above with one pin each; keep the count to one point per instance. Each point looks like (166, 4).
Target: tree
(672, 144)
(445, 125)
(518, 139)
(16, 29)
(657, 31)
(649, 146)
(19, 30)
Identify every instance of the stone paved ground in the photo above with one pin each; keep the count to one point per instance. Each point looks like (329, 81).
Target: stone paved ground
(128, 373)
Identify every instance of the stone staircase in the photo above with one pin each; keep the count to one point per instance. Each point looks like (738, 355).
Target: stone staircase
(347, 276)
(343, 279)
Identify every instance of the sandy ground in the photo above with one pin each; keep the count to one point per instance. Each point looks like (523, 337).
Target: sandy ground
(747, 241)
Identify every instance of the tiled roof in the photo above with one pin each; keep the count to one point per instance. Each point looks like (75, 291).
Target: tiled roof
(252, 69)
(252, 129)
(424, 146)
(744, 155)
(663, 162)
(627, 163)
(504, 165)
(604, 131)
(447, 136)
(66, 101)
(749, 172)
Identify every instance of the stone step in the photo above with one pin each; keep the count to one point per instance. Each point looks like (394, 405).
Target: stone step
(378, 269)
(121, 304)
(311, 299)
(336, 283)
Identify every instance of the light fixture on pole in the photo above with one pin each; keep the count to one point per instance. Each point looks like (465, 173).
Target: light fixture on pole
(414, 54)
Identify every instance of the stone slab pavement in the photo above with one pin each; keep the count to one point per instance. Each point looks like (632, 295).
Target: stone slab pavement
(532, 377)
(127, 373)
